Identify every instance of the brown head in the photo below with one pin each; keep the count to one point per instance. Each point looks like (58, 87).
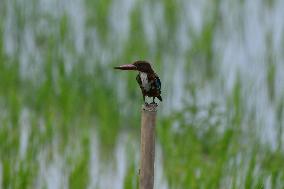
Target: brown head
(139, 65)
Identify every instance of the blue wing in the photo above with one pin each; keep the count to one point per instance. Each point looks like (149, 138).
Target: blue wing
(158, 83)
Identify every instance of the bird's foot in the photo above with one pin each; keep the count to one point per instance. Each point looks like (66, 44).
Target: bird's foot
(150, 107)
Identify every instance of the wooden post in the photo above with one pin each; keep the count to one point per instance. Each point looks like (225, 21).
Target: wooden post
(148, 122)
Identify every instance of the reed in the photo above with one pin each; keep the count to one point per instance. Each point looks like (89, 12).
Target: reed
(148, 125)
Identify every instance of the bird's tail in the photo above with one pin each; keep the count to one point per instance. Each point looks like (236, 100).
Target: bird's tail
(160, 98)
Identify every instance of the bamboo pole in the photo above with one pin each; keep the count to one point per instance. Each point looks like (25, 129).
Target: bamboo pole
(148, 122)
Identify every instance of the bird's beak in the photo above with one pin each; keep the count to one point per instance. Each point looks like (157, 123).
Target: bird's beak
(126, 67)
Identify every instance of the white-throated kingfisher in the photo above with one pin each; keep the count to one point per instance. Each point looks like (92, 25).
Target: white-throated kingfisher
(147, 79)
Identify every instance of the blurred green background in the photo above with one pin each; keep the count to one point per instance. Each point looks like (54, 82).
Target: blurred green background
(68, 120)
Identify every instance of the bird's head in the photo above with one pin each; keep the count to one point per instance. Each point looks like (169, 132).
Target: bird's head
(140, 65)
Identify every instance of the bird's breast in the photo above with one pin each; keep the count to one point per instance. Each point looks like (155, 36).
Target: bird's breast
(145, 81)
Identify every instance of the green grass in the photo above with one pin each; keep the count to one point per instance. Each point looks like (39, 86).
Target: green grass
(66, 108)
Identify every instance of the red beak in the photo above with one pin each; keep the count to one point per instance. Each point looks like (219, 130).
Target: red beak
(126, 67)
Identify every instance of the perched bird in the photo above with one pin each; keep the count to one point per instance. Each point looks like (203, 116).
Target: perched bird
(147, 79)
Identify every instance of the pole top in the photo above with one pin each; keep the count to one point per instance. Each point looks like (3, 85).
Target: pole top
(150, 107)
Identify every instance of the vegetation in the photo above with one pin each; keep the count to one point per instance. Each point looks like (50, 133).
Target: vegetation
(63, 107)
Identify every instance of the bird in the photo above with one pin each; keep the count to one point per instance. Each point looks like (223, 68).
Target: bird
(148, 80)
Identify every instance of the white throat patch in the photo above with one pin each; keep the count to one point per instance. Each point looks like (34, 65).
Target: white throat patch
(144, 80)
